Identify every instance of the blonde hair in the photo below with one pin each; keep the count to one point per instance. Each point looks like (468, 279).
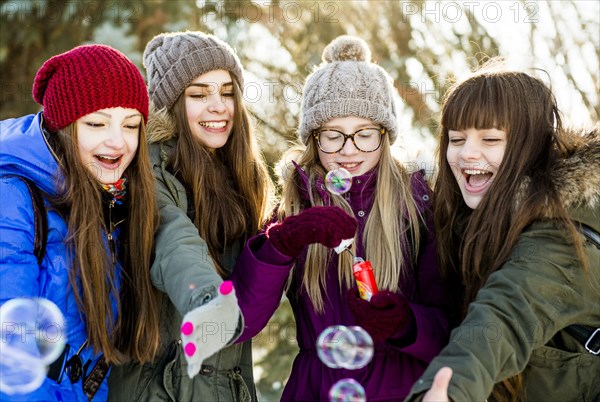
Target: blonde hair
(393, 223)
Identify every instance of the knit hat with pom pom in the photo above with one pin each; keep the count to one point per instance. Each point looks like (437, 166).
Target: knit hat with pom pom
(86, 79)
(347, 83)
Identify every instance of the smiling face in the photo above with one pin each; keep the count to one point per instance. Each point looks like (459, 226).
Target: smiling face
(349, 157)
(209, 106)
(107, 141)
(474, 157)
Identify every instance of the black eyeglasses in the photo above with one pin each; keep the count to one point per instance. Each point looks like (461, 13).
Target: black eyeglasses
(331, 141)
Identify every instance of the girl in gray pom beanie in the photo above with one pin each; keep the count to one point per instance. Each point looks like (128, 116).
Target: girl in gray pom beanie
(348, 123)
(213, 193)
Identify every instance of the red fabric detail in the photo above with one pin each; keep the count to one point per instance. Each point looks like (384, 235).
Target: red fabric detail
(324, 225)
(86, 79)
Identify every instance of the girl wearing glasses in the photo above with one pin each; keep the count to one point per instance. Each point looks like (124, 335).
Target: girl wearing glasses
(349, 121)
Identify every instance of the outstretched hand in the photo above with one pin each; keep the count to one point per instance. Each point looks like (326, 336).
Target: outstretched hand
(325, 225)
(209, 328)
(439, 389)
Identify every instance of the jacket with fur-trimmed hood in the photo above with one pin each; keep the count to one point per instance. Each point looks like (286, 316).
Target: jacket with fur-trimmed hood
(518, 319)
(185, 274)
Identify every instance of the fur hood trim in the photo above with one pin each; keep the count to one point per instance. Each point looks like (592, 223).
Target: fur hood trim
(161, 125)
(577, 176)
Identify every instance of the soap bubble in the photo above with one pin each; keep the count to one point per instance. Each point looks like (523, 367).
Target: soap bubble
(342, 347)
(32, 338)
(334, 346)
(19, 372)
(338, 181)
(362, 348)
(347, 390)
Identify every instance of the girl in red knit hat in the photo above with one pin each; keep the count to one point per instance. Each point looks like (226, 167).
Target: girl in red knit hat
(87, 249)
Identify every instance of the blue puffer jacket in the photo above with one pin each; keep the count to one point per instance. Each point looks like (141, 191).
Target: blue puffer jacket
(24, 152)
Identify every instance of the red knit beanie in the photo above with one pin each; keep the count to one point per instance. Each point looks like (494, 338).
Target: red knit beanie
(86, 79)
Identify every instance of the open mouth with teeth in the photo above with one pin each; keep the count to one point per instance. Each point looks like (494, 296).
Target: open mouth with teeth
(109, 160)
(476, 177)
(349, 166)
(215, 125)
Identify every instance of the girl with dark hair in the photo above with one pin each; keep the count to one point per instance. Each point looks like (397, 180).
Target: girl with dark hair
(517, 209)
(86, 153)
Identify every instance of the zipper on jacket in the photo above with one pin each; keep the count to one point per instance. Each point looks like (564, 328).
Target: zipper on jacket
(112, 226)
(109, 235)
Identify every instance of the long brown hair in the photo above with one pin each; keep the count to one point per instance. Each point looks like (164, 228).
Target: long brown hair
(134, 332)
(383, 230)
(230, 188)
(472, 244)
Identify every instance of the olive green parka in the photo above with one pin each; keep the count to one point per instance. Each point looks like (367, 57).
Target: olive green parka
(186, 277)
(518, 319)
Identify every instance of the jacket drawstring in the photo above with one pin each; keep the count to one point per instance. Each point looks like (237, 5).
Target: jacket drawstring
(237, 383)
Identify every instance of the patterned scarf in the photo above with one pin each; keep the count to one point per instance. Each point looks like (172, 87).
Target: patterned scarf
(117, 190)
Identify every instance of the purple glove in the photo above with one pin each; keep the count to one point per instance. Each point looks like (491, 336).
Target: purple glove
(324, 225)
(386, 314)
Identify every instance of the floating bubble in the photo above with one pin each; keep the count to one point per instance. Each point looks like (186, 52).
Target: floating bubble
(347, 390)
(338, 181)
(362, 347)
(345, 347)
(334, 346)
(34, 326)
(32, 338)
(19, 372)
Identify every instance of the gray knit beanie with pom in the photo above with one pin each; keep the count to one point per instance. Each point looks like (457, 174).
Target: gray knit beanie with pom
(173, 60)
(346, 83)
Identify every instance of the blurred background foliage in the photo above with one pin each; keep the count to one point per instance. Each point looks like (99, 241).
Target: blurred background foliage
(424, 45)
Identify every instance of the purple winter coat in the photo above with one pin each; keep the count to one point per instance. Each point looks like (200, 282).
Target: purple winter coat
(398, 362)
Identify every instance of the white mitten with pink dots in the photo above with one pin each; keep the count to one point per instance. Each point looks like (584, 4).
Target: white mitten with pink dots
(210, 327)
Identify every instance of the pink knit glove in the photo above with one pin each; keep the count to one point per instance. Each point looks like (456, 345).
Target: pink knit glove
(324, 225)
(386, 314)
